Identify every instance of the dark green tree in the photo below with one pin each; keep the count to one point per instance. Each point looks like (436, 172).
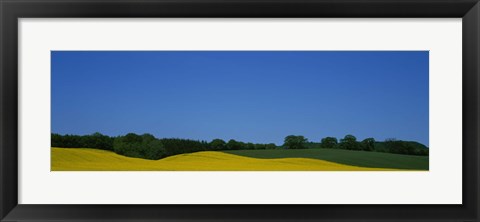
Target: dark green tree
(295, 142)
(217, 144)
(368, 144)
(260, 146)
(152, 148)
(233, 145)
(145, 146)
(399, 147)
(349, 142)
(271, 146)
(329, 142)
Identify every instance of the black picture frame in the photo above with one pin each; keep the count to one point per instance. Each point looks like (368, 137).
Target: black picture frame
(12, 10)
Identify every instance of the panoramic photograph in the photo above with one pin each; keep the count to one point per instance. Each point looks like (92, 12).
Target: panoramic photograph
(239, 110)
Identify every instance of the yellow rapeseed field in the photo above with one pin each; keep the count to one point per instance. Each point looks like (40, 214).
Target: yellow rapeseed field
(83, 159)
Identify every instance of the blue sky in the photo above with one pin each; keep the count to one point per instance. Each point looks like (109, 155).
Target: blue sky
(251, 96)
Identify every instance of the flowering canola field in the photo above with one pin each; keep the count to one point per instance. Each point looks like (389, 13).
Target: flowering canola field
(84, 159)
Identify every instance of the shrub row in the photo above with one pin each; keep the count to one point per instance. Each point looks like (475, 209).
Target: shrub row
(349, 142)
(96, 140)
(146, 146)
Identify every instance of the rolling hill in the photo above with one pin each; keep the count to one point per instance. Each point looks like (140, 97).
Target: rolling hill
(84, 159)
(348, 157)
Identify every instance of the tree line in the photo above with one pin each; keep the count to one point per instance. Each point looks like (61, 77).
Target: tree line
(349, 142)
(146, 146)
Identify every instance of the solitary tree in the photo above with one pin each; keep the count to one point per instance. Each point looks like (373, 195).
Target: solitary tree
(295, 142)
